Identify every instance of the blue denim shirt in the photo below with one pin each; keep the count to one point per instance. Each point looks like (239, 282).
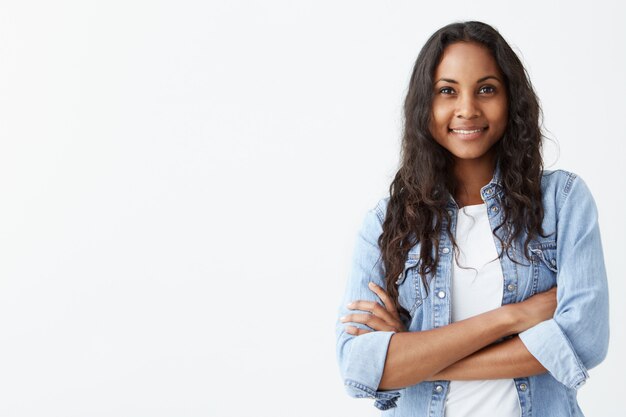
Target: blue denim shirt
(567, 345)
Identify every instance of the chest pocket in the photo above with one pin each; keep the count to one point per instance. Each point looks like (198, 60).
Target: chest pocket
(409, 290)
(544, 265)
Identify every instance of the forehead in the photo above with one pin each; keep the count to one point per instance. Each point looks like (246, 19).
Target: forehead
(466, 60)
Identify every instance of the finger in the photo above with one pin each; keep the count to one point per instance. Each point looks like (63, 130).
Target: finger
(384, 297)
(356, 331)
(374, 308)
(370, 320)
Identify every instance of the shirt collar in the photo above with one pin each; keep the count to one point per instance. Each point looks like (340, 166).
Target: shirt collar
(494, 186)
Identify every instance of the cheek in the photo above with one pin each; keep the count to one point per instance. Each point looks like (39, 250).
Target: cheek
(438, 119)
(503, 111)
(435, 126)
(499, 115)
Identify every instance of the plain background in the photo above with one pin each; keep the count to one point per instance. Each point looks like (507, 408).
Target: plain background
(181, 183)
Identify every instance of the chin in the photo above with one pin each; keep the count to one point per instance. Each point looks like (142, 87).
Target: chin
(468, 156)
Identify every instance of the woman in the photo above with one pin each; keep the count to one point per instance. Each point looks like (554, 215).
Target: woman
(478, 287)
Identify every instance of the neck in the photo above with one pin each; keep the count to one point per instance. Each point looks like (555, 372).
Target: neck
(471, 176)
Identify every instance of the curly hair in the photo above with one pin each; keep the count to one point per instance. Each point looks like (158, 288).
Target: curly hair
(420, 190)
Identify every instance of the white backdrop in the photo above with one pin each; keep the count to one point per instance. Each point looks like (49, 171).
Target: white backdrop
(181, 183)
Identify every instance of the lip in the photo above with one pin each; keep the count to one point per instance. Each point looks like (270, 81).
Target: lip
(475, 132)
(469, 127)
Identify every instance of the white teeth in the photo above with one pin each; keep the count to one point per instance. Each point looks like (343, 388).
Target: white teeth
(466, 132)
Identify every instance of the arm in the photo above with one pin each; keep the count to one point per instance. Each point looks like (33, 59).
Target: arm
(576, 338)
(509, 359)
(361, 358)
(371, 362)
(416, 356)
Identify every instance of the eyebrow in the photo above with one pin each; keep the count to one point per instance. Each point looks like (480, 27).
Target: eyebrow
(451, 81)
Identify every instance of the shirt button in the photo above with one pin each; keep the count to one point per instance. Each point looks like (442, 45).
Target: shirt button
(441, 294)
(523, 386)
(445, 250)
(450, 213)
(494, 209)
(489, 191)
(511, 287)
(438, 388)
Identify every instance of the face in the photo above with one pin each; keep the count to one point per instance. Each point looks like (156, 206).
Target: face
(469, 109)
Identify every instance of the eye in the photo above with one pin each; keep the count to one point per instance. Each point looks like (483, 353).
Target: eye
(446, 90)
(486, 89)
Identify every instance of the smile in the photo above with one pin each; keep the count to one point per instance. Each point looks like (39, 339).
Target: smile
(466, 132)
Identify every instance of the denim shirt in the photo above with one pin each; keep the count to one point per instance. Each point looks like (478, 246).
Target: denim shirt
(567, 345)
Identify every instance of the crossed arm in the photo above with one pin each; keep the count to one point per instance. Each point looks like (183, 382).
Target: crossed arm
(473, 355)
(376, 353)
(509, 359)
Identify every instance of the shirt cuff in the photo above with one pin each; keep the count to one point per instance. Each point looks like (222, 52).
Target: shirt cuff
(363, 368)
(551, 347)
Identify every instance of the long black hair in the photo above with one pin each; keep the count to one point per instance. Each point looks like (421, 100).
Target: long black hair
(421, 188)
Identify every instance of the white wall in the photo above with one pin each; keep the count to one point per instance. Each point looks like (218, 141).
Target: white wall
(181, 183)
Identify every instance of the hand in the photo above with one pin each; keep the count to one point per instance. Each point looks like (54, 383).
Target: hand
(380, 318)
(534, 310)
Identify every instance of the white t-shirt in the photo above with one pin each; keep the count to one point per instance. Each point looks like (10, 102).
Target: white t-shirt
(477, 286)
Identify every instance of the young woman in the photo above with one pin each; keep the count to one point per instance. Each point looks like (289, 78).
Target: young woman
(478, 286)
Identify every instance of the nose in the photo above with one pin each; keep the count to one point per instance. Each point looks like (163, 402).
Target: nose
(467, 107)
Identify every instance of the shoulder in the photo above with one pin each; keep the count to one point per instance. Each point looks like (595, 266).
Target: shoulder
(380, 209)
(557, 179)
(372, 225)
(560, 187)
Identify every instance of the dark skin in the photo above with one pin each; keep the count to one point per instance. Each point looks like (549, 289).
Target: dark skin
(469, 115)
(508, 359)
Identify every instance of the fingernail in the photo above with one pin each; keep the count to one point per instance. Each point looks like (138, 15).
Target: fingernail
(372, 285)
(343, 319)
(351, 305)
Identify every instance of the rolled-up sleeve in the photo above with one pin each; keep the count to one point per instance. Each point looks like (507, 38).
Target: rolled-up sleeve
(362, 358)
(576, 338)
